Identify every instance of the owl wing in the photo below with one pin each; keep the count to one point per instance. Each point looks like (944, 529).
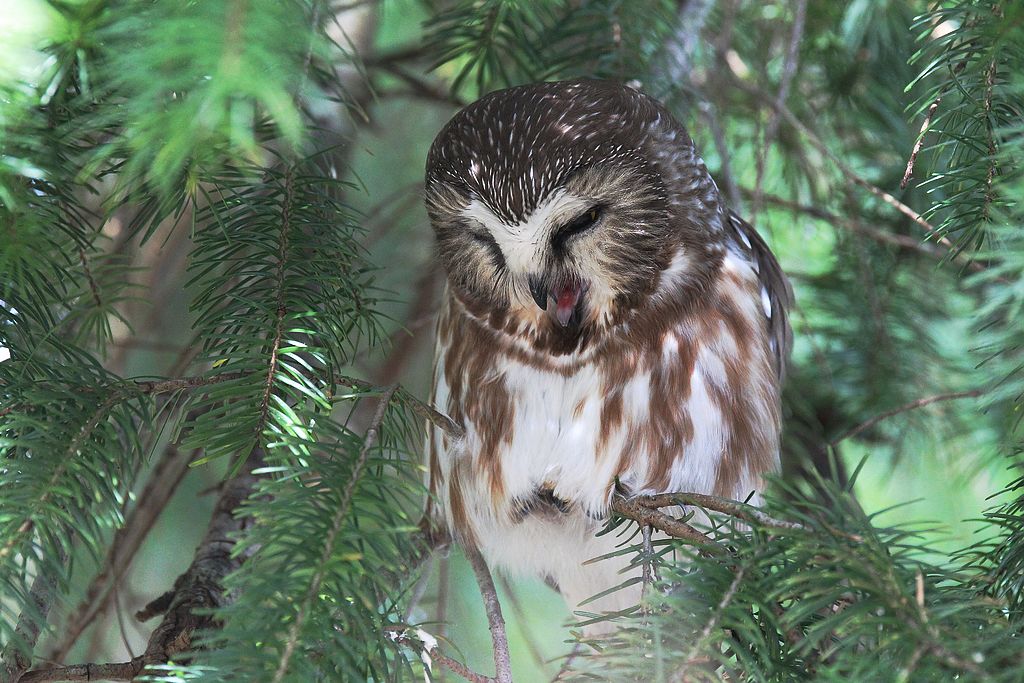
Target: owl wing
(776, 292)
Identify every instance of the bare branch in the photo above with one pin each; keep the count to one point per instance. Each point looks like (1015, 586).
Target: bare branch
(848, 172)
(902, 241)
(13, 661)
(495, 621)
(635, 509)
(733, 508)
(429, 651)
(789, 69)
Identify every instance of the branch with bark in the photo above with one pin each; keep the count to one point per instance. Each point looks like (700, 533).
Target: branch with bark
(186, 606)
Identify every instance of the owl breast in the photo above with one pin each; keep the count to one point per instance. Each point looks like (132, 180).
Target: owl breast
(691, 404)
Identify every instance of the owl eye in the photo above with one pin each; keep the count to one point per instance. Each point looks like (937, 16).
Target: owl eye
(487, 241)
(580, 224)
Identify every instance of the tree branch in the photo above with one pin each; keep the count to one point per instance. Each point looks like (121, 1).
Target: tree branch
(187, 605)
(791, 118)
(913, 405)
(14, 661)
(337, 524)
(163, 481)
(421, 408)
(646, 514)
(495, 621)
(429, 651)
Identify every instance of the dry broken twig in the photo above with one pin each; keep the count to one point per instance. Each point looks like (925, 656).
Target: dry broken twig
(426, 646)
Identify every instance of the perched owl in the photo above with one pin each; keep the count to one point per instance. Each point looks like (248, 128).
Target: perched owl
(608, 324)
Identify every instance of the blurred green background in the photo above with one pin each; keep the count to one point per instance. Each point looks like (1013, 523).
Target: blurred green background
(934, 468)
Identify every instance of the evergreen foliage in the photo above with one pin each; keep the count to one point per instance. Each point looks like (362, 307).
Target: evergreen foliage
(191, 120)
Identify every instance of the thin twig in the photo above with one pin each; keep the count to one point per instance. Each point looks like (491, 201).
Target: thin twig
(924, 129)
(495, 621)
(730, 593)
(633, 508)
(789, 69)
(337, 525)
(990, 174)
(93, 287)
(732, 192)
(429, 651)
(733, 508)
(913, 405)
(919, 142)
(741, 511)
(902, 241)
(567, 662)
(164, 386)
(850, 174)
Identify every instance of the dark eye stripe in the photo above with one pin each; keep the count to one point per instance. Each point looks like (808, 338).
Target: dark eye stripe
(487, 240)
(576, 226)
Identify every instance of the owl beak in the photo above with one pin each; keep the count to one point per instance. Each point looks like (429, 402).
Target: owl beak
(539, 291)
(561, 302)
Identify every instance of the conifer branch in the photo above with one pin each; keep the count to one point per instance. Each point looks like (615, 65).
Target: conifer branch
(163, 482)
(13, 661)
(791, 118)
(186, 606)
(692, 657)
(337, 524)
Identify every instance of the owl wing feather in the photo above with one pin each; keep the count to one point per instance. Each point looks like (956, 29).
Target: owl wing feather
(776, 292)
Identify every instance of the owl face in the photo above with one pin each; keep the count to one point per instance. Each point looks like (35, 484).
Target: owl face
(550, 209)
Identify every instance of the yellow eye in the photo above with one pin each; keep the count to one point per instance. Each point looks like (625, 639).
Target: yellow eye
(592, 215)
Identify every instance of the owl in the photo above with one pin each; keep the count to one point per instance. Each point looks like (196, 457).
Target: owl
(608, 326)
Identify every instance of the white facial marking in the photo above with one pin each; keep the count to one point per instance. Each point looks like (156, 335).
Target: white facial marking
(523, 244)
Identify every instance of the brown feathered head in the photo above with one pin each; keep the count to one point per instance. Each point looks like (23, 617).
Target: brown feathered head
(560, 208)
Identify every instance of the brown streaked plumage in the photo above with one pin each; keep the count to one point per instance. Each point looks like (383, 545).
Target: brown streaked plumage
(607, 321)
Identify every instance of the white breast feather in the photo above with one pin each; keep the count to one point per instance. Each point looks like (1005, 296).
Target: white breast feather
(550, 444)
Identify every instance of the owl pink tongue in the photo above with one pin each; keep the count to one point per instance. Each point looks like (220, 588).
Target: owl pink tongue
(566, 297)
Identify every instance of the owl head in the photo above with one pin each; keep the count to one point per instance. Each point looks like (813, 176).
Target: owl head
(561, 208)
